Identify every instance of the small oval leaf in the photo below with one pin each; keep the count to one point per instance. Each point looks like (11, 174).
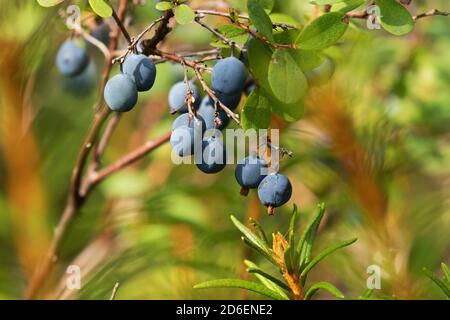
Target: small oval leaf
(323, 32)
(101, 8)
(286, 79)
(164, 5)
(184, 14)
(49, 3)
(256, 111)
(395, 19)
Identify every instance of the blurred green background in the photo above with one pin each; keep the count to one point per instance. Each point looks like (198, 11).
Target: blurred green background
(373, 145)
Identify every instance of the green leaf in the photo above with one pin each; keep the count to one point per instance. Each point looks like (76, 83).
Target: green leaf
(323, 32)
(268, 280)
(366, 294)
(259, 250)
(323, 2)
(395, 18)
(307, 59)
(260, 19)
(237, 283)
(287, 255)
(259, 55)
(184, 14)
(325, 286)
(233, 33)
(307, 240)
(446, 272)
(49, 3)
(254, 239)
(260, 231)
(101, 8)
(348, 5)
(286, 79)
(325, 253)
(267, 4)
(441, 284)
(164, 5)
(292, 223)
(283, 18)
(289, 112)
(256, 111)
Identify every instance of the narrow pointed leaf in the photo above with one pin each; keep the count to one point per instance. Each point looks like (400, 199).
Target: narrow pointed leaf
(266, 255)
(324, 286)
(266, 279)
(307, 240)
(366, 294)
(292, 224)
(241, 284)
(441, 284)
(288, 259)
(323, 255)
(446, 272)
(260, 231)
(254, 239)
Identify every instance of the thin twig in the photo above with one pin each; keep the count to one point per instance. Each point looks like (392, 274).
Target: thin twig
(128, 159)
(202, 13)
(96, 43)
(434, 12)
(218, 34)
(121, 25)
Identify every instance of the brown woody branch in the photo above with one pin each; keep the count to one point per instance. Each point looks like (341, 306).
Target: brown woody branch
(76, 197)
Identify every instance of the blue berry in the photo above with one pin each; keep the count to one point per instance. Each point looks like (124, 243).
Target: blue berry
(183, 139)
(208, 112)
(186, 120)
(71, 59)
(83, 83)
(274, 191)
(213, 157)
(229, 76)
(321, 74)
(120, 93)
(249, 173)
(142, 69)
(230, 101)
(177, 97)
(101, 32)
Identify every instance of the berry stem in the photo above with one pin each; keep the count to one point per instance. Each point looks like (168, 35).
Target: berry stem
(244, 191)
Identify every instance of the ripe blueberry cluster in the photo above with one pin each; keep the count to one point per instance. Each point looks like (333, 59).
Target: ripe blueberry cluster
(138, 75)
(228, 81)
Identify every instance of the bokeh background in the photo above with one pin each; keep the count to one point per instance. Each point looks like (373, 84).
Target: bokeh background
(373, 145)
